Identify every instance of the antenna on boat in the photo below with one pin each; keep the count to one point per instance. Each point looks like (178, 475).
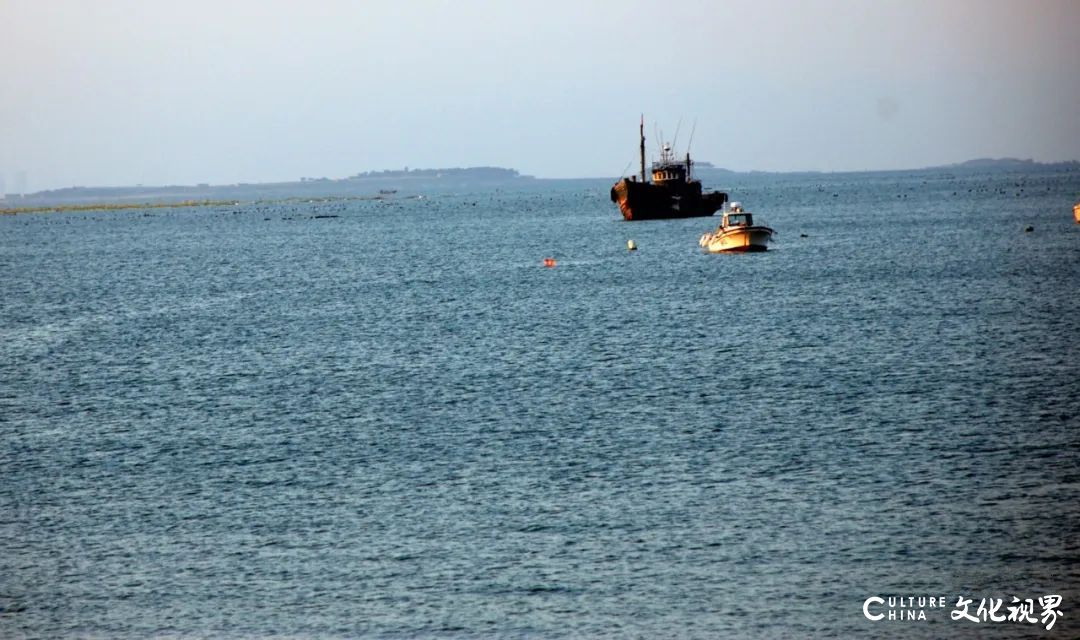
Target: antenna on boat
(692, 130)
(643, 147)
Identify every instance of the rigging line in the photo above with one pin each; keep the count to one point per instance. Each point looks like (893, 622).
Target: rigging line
(692, 130)
(675, 142)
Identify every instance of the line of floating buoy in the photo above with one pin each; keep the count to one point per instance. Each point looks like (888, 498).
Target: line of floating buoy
(631, 245)
(549, 262)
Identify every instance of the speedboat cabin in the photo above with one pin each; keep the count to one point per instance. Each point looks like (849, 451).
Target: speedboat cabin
(738, 219)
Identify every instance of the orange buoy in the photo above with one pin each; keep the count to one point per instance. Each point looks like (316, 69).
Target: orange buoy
(549, 262)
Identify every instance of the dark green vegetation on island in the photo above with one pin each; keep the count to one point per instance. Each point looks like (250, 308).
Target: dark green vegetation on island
(359, 185)
(475, 173)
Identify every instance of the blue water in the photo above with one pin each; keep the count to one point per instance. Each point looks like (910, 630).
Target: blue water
(249, 422)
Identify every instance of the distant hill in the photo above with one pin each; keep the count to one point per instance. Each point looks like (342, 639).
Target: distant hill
(475, 173)
(1011, 164)
(702, 166)
(371, 183)
(708, 169)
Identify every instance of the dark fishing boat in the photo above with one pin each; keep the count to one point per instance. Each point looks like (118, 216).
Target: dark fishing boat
(673, 193)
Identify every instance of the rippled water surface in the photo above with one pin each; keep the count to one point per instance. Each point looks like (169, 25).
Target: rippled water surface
(259, 421)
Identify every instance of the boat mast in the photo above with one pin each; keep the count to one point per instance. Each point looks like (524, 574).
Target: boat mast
(689, 166)
(643, 147)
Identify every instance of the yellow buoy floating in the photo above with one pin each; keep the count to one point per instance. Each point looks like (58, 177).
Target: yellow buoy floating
(630, 245)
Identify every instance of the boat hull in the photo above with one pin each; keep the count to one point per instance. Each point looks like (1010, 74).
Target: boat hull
(739, 240)
(649, 201)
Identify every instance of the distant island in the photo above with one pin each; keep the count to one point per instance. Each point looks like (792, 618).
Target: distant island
(369, 183)
(388, 182)
(1011, 164)
(471, 173)
(978, 164)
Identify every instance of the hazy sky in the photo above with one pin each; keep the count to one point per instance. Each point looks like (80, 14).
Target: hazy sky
(112, 92)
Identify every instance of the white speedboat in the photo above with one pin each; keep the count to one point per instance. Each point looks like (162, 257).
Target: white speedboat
(737, 232)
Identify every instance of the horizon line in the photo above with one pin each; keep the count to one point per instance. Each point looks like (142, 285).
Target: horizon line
(974, 163)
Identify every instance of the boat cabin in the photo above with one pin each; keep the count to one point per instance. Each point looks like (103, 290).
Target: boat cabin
(668, 172)
(738, 219)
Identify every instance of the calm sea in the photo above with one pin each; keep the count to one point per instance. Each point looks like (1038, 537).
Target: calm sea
(387, 419)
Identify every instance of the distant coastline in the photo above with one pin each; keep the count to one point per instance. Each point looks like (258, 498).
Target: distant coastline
(103, 206)
(372, 183)
(359, 185)
(1012, 164)
(990, 165)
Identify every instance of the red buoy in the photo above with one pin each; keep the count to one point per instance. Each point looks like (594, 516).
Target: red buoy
(549, 262)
